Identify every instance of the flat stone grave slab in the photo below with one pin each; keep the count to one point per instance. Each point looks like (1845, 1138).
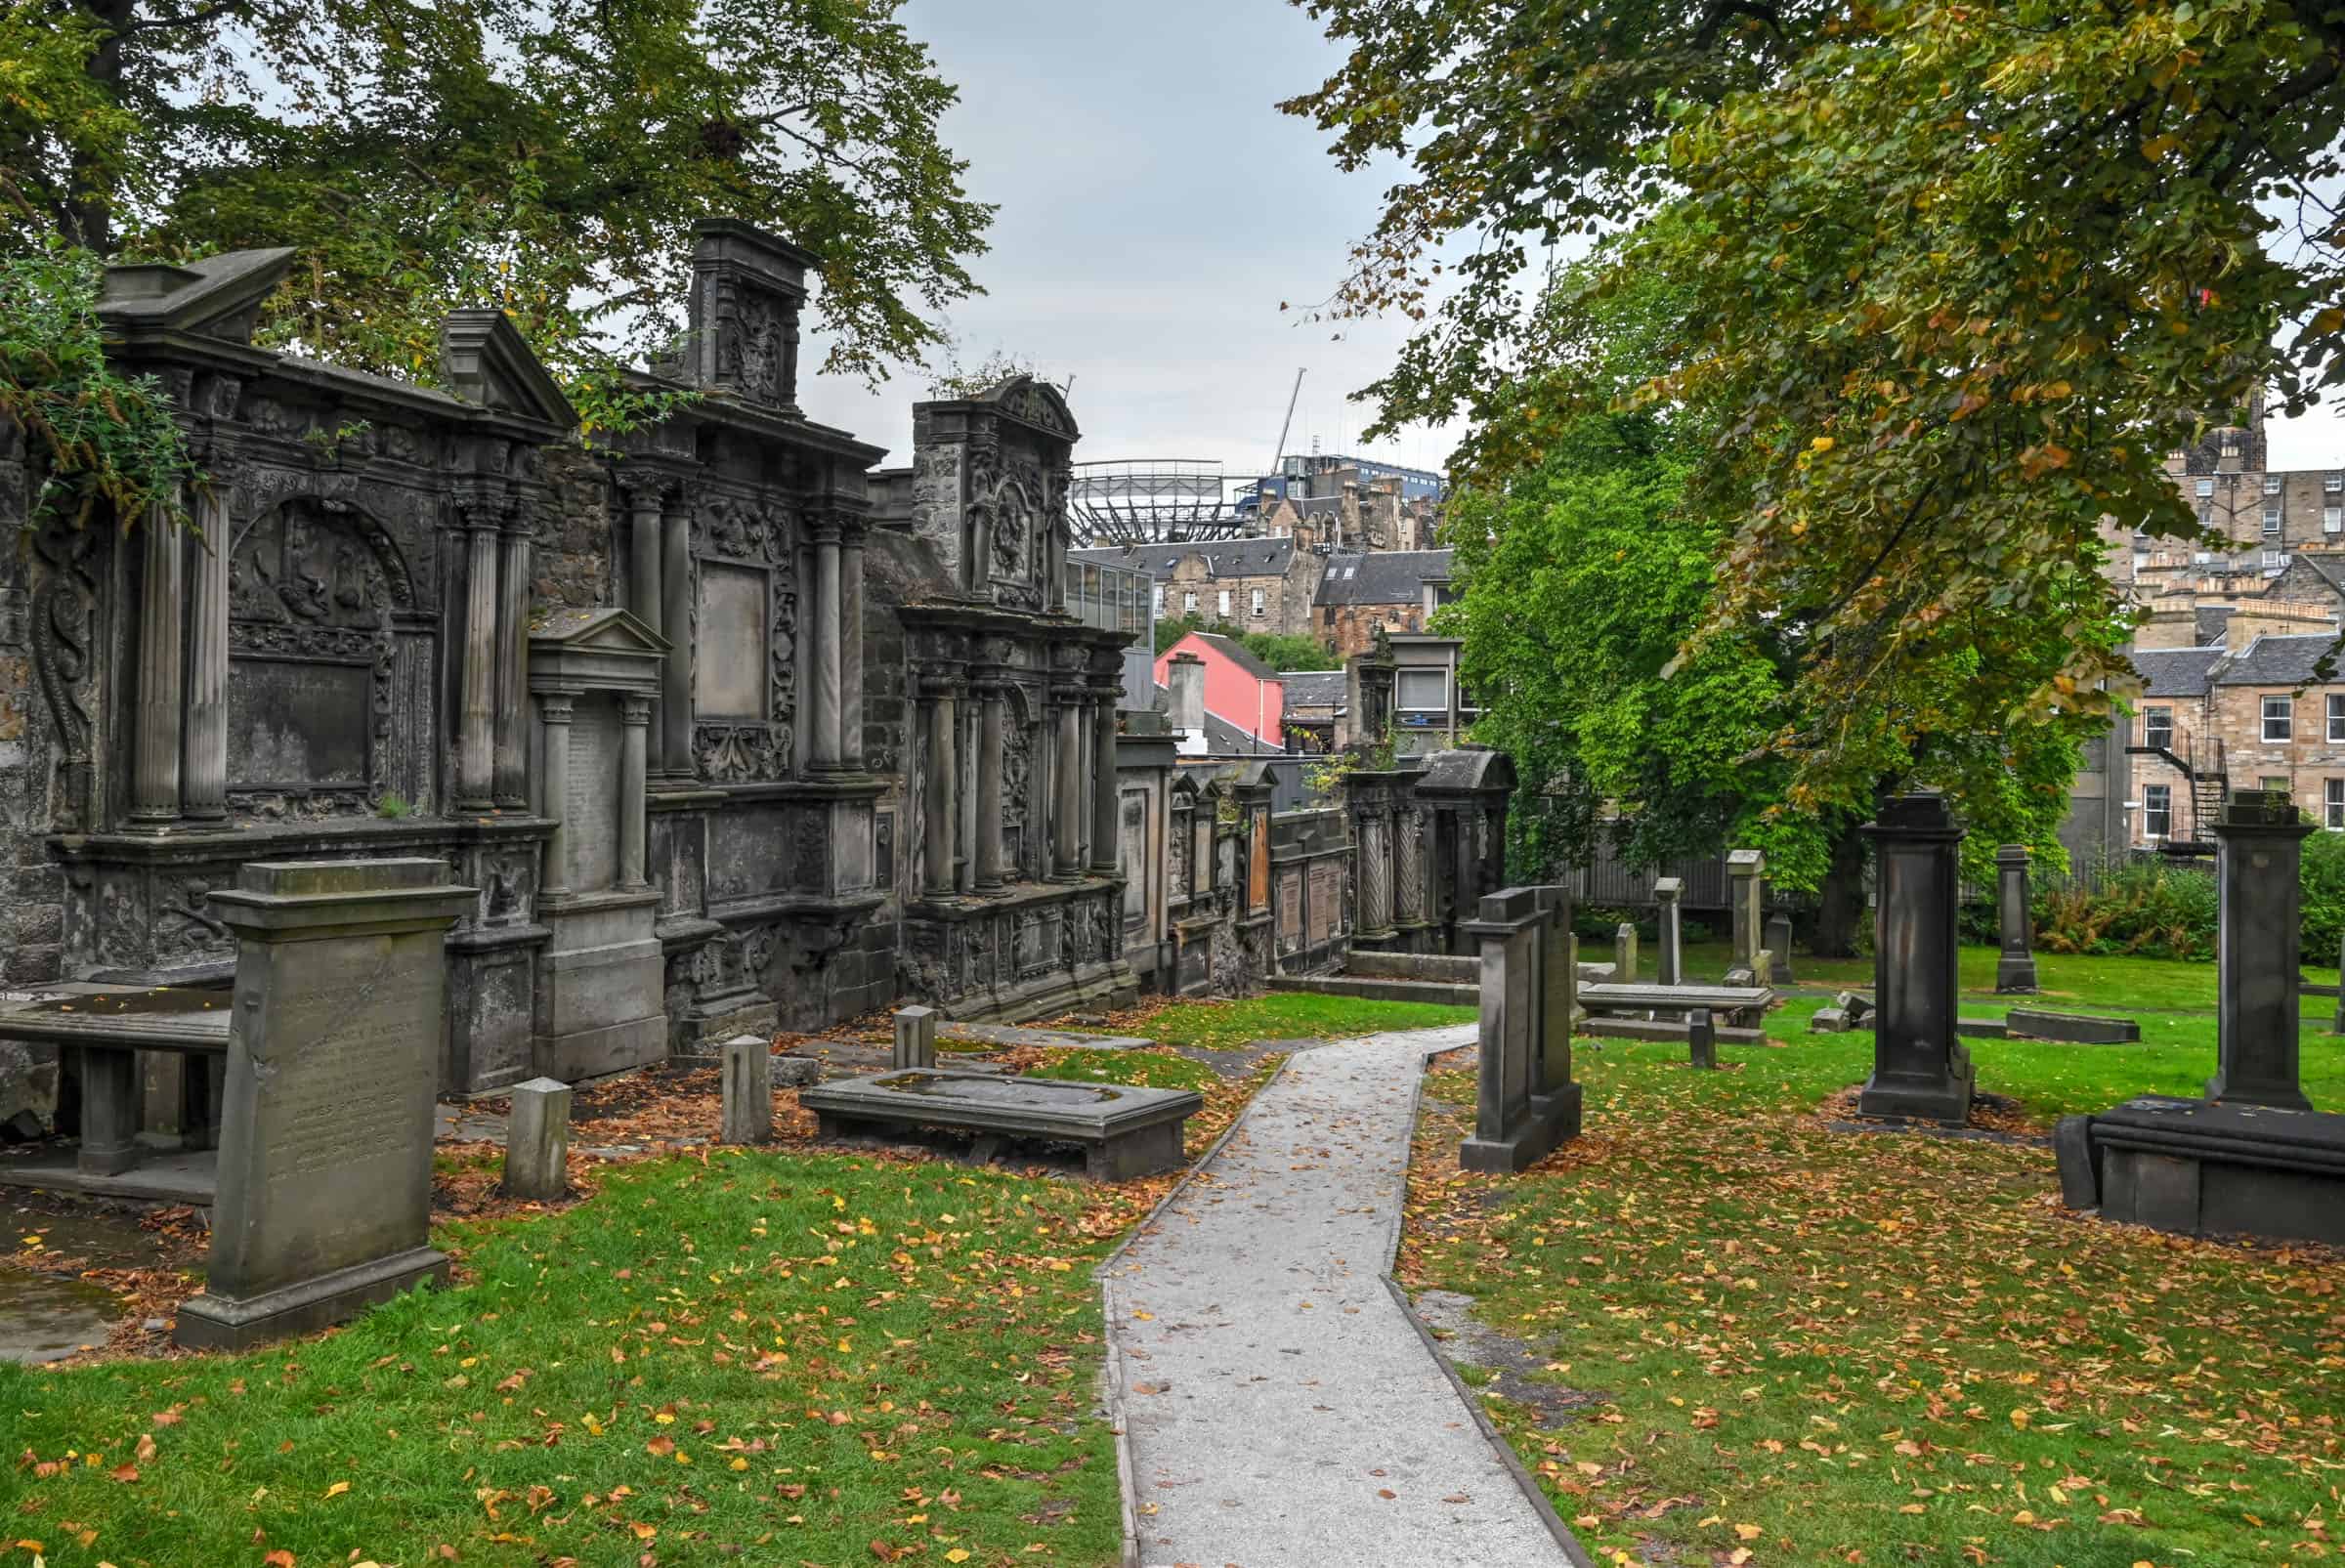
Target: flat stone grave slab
(1742, 1004)
(2077, 1029)
(2204, 1168)
(1122, 1130)
(1672, 1030)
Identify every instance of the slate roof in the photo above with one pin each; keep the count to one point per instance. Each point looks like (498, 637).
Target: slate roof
(1235, 652)
(1223, 558)
(2277, 662)
(1380, 576)
(2213, 621)
(2330, 568)
(2175, 671)
(1316, 688)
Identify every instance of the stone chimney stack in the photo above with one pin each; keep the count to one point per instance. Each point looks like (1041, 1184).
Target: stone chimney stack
(1184, 685)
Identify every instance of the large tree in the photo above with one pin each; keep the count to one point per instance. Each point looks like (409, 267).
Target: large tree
(545, 155)
(1586, 573)
(1960, 276)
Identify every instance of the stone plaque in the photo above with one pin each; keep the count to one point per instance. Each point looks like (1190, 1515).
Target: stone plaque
(591, 811)
(1290, 909)
(325, 1145)
(299, 724)
(1257, 880)
(1135, 860)
(729, 678)
(1327, 901)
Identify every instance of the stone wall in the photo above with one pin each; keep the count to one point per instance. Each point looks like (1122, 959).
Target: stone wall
(574, 557)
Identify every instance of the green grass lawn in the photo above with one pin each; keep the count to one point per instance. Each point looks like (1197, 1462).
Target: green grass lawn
(1282, 1015)
(1816, 1346)
(2115, 981)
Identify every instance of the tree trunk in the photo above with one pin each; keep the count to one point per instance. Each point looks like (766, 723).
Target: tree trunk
(1840, 902)
(88, 218)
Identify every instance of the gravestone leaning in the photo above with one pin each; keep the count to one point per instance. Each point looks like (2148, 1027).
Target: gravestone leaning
(2014, 967)
(1624, 953)
(1920, 1070)
(1701, 1039)
(1745, 868)
(325, 1141)
(1778, 948)
(2259, 847)
(1668, 946)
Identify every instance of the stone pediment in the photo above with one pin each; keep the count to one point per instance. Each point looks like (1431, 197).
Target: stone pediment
(1034, 402)
(219, 296)
(484, 359)
(595, 651)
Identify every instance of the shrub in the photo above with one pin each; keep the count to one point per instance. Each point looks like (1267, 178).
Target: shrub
(2324, 885)
(2149, 907)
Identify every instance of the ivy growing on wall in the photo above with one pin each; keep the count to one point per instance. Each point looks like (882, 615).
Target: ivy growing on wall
(97, 436)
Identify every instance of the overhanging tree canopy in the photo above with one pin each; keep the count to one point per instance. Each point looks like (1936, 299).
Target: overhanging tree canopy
(1957, 275)
(546, 156)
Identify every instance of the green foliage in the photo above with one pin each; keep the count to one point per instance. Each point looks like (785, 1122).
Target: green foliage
(2149, 907)
(99, 436)
(1586, 579)
(394, 806)
(1280, 651)
(543, 158)
(957, 380)
(2323, 898)
(1951, 282)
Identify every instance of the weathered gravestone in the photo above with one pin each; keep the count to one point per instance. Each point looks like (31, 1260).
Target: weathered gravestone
(2014, 967)
(1624, 953)
(1920, 1070)
(537, 1141)
(747, 1115)
(916, 1037)
(1745, 872)
(326, 1143)
(1124, 1131)
(1669, 946)
(2249, 1159)
(1526, 1103)
(1778, 950)
(1701, 1041)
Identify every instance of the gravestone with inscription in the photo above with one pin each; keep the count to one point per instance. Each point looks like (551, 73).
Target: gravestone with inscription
(326, 1142)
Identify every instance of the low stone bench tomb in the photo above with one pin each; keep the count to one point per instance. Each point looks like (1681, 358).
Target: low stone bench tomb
(1122, 1130)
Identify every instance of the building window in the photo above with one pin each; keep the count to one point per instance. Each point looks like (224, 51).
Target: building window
(2337, 716)
(2334, 812)
(2158, 728)
(2158, 810)
(2270, 520)
(1423, 691)
(1226, 603)
(2203, 558)
(2271, 484)
(2332, 519)
(1160, 598)
(1261, 605)
(2273, 784)
(2333, 483)
(1189, 603)
(2279, 718)
(2206, 486)
(2274, 560)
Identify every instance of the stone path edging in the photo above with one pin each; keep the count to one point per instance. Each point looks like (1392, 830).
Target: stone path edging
(1277, 1485)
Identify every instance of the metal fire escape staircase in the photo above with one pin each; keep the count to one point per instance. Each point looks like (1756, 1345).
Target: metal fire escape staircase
(2206, 770)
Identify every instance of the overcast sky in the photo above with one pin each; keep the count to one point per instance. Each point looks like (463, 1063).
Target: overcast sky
(1155, 209)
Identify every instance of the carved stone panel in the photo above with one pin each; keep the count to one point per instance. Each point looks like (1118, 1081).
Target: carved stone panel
(1137, 883)
(729, 677)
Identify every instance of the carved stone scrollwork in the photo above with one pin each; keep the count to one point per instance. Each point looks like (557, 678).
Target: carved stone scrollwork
(64, 614)
(741, 753)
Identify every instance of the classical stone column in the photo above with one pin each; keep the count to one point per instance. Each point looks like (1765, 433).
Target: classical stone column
(554, 712)
(204, 778)
(850, 657)
(635, 723)
(827, 648)
(511, 786)
(646, 599)
(1919, 1069)
(1066, 828)
(1408, 849)
(991, 699)
(2014, 967)
(2259, 848)
(154, 770)
(475, 738)
(1105, 851)
(675, 624)
(942, 809)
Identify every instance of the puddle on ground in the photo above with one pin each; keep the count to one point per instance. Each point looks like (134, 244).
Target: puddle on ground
(48, 1317)
(101, 1237)
(1513, 1365)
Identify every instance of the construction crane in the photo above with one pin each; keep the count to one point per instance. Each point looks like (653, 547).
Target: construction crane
(1278, 453)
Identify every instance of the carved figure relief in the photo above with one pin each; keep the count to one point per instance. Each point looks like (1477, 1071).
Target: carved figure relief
(63, 611)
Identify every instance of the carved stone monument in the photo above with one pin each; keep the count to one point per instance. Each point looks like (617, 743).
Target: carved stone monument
(326, 1146)
(2014, 965)
(1668, 949)
(1746, 885)
(1522, 1110)
(2259, 847)
(593, 674)
(1920, 1070)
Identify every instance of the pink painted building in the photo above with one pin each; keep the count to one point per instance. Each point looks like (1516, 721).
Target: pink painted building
(1240, 689)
